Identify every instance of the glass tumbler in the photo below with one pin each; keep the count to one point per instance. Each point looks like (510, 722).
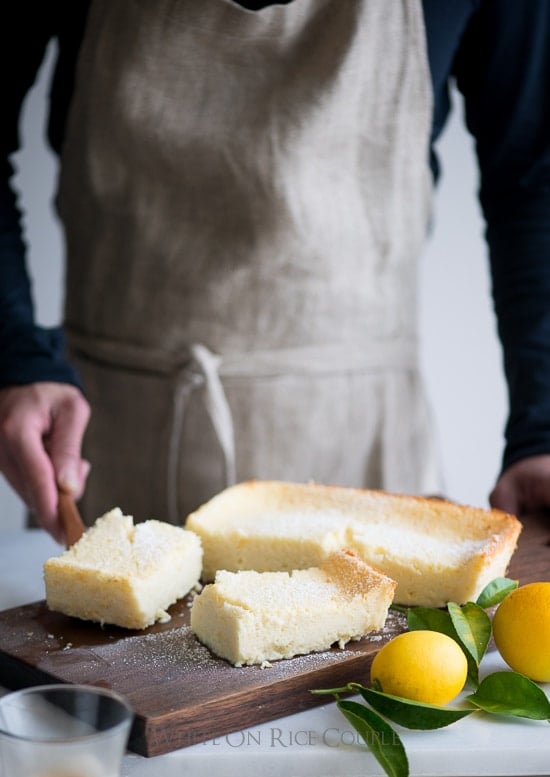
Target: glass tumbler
(63, 731)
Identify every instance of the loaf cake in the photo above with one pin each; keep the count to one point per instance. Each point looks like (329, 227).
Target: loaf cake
(123, 574)
(436, 550)
(253, 617)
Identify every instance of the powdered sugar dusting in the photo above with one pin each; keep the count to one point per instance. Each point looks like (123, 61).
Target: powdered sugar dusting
(180, 648)
(174, 647)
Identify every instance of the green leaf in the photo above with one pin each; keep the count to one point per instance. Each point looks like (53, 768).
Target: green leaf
(510, 693)
(495, 591)
(411, 714)
(432, 619)
(380, 738)
(473, 627)
(334, 691)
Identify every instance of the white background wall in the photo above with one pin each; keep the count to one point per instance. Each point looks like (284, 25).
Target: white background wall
(460, 352)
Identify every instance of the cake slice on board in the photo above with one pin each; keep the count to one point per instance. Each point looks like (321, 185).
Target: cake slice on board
(256, 617)
(123, 574)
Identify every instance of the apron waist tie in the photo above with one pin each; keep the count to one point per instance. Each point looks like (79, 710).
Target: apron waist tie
(199, 366)
(378, 354)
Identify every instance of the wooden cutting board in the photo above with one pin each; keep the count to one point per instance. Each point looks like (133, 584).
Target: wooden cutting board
(180, 693)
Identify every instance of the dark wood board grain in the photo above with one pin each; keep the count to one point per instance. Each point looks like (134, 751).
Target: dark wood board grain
(180, 693)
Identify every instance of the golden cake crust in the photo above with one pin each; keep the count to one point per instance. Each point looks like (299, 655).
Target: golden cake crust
(436, 550)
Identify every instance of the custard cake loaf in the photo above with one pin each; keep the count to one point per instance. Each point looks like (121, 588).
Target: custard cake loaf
(436, 550)
(123, 574)
(255, 617)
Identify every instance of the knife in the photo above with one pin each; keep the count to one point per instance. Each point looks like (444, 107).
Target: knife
(70, 517)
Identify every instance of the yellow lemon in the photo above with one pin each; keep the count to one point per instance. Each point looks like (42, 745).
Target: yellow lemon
(421, 665)
(521, 629)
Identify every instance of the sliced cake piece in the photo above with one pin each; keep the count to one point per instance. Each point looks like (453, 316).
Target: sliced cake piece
(436, 550)
(124, 574)
(255, 617)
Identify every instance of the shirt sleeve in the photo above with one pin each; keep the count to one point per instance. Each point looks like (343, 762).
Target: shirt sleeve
(502, 67)
(28, 353)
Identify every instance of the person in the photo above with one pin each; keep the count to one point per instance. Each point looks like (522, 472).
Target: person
(245, 188)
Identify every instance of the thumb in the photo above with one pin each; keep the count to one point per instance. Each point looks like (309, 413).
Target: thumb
(84, 471)
(68, 474)
(65, 446)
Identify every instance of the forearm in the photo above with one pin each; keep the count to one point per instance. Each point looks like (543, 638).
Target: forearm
(519, 238)
(502, 70)
(28, 353)
(34, 355)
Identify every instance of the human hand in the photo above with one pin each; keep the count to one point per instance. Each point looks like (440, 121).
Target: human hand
(524, 487)
(41, 431)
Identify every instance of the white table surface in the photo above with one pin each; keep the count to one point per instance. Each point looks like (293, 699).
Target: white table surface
(315, 743)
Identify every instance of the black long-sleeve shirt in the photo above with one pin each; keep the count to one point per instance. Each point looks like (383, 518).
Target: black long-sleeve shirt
(497, 51)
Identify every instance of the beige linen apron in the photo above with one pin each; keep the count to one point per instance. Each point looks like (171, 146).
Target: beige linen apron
(245, 195)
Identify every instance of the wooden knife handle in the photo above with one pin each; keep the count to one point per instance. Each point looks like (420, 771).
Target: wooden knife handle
(70, 518)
